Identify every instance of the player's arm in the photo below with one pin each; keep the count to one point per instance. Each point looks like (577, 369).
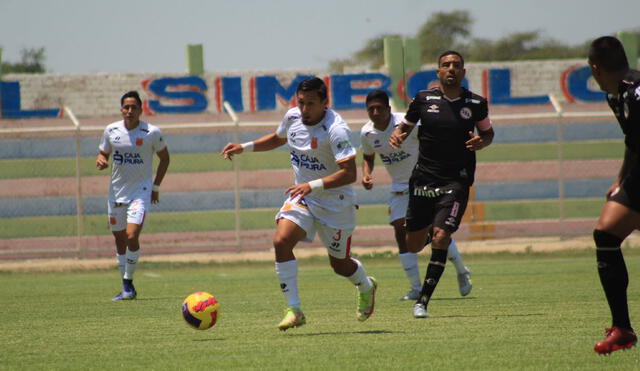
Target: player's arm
(400, 133)
(484, 137)
(265, 143)
(367, 170)
(161, 171)
(346, 174)
(102, 160)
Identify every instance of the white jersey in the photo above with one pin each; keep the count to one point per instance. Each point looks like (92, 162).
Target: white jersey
(316, 152)
(132, 151)
(398, 162)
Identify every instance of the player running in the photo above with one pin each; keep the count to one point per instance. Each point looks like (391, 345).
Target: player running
(321, 200)
(621, 213)
(439, 185)
(132, 143)
(399, 163)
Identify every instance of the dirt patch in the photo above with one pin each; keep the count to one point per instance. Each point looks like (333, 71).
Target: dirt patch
(513, 245)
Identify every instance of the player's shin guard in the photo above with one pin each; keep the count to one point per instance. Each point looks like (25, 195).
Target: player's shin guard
(359, 278)
(454, 257)
(409, 263)
(613, 276)
(122, 261)
(287, 273)
(131, 264)
(434, 272)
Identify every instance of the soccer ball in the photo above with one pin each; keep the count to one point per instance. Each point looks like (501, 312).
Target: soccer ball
(200, 310)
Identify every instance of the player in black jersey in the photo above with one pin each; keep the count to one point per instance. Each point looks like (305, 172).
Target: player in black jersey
(439, 185)
(621, 213)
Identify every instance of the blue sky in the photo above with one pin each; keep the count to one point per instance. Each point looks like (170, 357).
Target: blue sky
(86, 36)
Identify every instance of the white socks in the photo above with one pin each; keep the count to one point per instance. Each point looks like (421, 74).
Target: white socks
(360, 279)
(409, 262)
(454, 257)
(287, 273)
(131, 263)
(122, 260)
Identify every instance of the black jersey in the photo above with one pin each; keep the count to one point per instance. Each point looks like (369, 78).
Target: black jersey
(443, 131)
(626, 107)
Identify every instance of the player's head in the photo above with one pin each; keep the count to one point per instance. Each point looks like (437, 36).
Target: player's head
(608, 62)
(311, 95)
(451, 69)
(131, 107)
(131, 94)
(378, 107)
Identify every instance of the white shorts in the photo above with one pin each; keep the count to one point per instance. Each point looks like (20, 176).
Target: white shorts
(121, 214)
(398, 203)
(335, 233)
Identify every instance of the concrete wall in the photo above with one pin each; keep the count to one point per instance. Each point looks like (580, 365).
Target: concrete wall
(513, 83)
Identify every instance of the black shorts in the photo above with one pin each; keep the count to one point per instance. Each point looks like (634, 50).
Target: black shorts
(628, 193)
(441, 206)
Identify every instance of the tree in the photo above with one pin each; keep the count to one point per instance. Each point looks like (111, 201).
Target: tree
(31, 61)
(444, 31)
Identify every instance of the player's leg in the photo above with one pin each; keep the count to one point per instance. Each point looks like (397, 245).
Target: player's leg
(448, 211)
(398, 204)
(136, 213)
(117, 224)
(464, 276)
(617, 220)
(338, 244)
(294, 224)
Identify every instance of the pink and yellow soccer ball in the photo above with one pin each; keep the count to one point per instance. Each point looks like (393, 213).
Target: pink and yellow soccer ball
(200, 310)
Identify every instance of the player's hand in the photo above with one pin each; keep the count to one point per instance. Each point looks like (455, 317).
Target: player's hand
(298, 190)
(475, 143)
(231, 149)
(101, 162)
(155, 197)
(396, 140)
(367, 182)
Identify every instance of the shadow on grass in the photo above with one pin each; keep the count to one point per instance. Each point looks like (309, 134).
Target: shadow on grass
(494, 315)
(203, 340)
(458, 298)
(371, 332)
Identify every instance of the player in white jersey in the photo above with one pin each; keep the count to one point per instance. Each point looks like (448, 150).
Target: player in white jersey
(321, 200)
(132, 143)
(374, 138)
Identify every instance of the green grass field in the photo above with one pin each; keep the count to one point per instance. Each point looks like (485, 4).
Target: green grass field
(526, 312)
(182, 163)
(206, 221)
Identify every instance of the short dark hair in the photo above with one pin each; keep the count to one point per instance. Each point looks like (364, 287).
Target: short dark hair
(313, 84)
(131, 94)
(451, 52)
(379, 95)
(608, 53)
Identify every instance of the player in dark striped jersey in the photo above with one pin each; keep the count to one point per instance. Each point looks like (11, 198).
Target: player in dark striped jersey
(621, 213)
(439, 185)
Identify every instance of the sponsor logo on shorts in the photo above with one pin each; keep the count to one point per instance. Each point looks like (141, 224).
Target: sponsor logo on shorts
(455, 208)
(451, 221)
(335, 246)
(430, 192)
(112, 220)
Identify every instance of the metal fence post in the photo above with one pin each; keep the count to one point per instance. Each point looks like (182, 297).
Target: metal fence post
(79, 203)
(561, 181)
(236, 170)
